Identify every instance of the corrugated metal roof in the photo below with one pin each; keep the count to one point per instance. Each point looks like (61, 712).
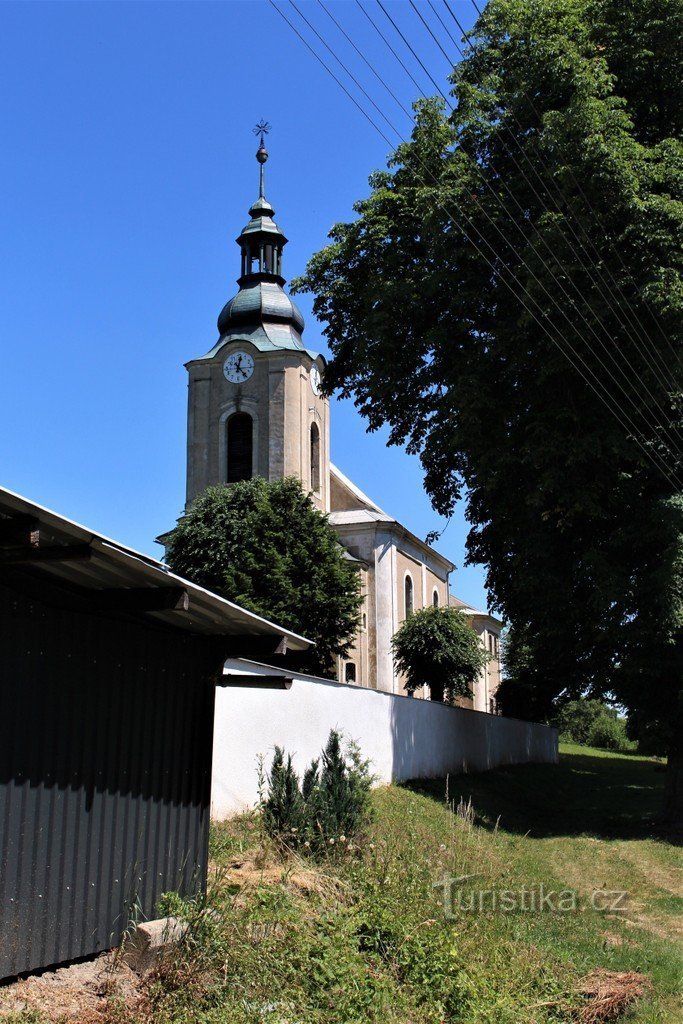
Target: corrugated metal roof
(112, 565)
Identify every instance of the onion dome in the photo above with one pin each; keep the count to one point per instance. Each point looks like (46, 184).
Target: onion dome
(261, 312)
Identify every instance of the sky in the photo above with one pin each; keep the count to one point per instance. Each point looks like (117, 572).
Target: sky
(126, 172)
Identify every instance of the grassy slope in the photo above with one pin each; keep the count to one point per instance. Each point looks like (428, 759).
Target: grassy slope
(374, 946)
(584, 824)
(363, 939)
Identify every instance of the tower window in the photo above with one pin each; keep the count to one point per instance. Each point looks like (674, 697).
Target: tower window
(240, 447)
(435, 598)
(315, 458)
(408, 594)
(350, 672)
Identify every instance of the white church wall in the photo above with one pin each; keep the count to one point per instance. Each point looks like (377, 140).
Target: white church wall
(404, 738)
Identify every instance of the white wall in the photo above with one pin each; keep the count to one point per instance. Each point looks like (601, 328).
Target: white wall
(404, 738)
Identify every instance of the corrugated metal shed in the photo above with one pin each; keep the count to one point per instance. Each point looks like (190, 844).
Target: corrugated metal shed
(107, 671)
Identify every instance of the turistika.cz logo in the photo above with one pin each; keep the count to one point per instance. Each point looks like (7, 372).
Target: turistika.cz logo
(462, 898)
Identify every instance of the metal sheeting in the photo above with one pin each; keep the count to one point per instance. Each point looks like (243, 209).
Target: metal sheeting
(113, 565)
(105, 762)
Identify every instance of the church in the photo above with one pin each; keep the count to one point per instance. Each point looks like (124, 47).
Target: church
(255, 408)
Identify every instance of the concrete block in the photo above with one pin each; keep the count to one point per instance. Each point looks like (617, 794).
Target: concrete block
(150, 941)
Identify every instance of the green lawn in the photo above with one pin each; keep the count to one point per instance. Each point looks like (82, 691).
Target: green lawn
(365, 939)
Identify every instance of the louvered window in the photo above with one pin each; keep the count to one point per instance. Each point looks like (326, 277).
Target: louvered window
(408, 588)
(315, 459)
(240, 447)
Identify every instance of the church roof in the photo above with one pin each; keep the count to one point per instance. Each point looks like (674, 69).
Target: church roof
(265, 337)
(261, 312)
(463, 606)
(359, 515)
(354, 489)
(365, 511)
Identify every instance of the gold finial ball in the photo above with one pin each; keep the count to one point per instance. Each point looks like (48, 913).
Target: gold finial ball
(262, 154)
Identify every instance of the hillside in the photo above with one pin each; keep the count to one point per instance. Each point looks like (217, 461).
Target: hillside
(363, 938)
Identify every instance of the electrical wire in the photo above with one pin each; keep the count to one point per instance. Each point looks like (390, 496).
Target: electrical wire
(343, 66)
(605, 348)
(609, 400)
(493, 251)
(366, 61)
(581, 192)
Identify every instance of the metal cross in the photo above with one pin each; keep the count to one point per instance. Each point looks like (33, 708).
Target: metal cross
(262, 128)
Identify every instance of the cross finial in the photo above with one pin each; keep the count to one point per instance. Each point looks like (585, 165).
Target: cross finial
(262, 128)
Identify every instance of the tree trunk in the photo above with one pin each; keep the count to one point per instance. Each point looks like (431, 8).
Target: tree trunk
(436, 691)
(673, 786)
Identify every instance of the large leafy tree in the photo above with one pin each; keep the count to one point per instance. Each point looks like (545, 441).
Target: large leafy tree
(437, 647)
(266, 547)
(536, 226)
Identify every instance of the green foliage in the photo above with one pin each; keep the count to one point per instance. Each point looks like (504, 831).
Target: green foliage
(284, 808)
(562, 166)
(266, 547)
(593, 723)
(25, 1017)
(364, 940)
(650, 731)
(438, 648)
(328, 809)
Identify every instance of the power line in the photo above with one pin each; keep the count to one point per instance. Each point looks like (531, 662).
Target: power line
(442, 23)
(577, 184)
(330, 72)
(616, 362)
(379, 31)
(533, 275)
(383, 8)
(609, 401)
(342, 65)
(366, 61)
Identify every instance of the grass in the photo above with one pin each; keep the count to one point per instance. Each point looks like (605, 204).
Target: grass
(364, 938)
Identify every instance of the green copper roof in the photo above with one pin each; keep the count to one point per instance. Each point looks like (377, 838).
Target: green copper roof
(261, 312)
(265, 338)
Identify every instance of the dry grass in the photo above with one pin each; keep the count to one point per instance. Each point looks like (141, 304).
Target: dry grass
(79, 994)
(610, 993)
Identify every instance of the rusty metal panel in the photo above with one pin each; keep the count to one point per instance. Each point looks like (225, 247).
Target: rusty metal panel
(105, 760)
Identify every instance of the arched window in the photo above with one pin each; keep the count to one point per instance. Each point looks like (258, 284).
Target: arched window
(435, 598)
(315, 458)
(240, 447)
(408, 593)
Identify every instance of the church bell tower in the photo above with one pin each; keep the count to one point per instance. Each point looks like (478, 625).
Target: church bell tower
(255, 407)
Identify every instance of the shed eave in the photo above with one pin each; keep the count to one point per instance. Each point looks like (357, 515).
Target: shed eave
(113, 565)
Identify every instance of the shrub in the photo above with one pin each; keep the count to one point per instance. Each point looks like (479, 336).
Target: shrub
(330, 805)
(284, 809)
(594, 724)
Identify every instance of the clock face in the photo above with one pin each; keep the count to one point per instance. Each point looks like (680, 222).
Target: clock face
(315, 380)
(238, 367)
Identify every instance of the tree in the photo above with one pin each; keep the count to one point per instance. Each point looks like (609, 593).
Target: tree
(437, 647)
(594, 724)
(266, 547)
(534, 230)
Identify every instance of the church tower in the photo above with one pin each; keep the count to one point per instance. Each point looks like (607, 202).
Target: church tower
(255, 407)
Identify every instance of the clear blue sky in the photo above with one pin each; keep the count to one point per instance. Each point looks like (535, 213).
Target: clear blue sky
(126, 171)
